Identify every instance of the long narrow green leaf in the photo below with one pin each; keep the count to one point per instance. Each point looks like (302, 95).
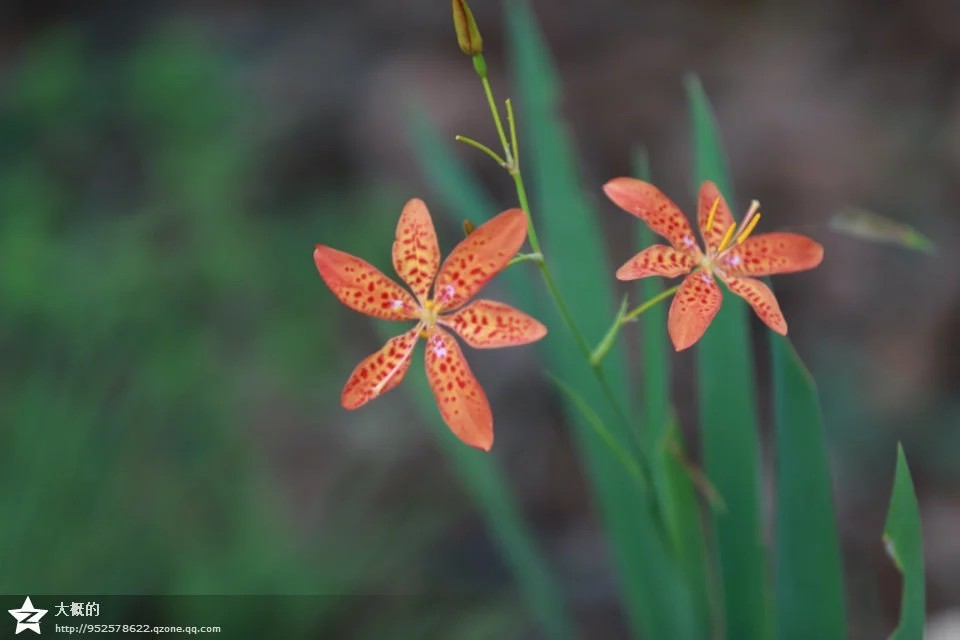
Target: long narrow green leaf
(461, 196)
(902, 537)
(675, 491)
(602, 430)
(809, 577)
(685, 523)
(484, 482)
(653, 338)
(566, 220)
(728, 421)
(656, 600)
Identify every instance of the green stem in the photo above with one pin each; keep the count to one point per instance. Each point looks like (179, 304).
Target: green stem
(526, 257)
(482, 147)
(660, 297)
(525, 205)
(545, 271)
(622, 318)
(601, 349)
(561, 304)
(496, 117)
(513, 136)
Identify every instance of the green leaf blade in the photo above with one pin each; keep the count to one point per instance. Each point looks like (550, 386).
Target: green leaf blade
(809, 574)
(483, 480)
(655, 598)
(676, 494)
(461, 197)
(729, 422)
(653, 336)
(904, 541)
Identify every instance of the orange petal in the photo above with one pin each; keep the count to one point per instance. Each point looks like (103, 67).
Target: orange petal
(648, 203)
(416, 254)
(462, 402)
(692, 309)
(362, 287)
(658, 260)
(769, 253)
(486, 324)
(381, 371)
(764, 303)
(479, 257)
(722, 219)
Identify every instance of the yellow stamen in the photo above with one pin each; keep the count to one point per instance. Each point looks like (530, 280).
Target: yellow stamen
(713, 213)
(727, 238)
(750, 227)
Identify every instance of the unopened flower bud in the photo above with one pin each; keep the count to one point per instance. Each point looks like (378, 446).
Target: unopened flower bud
(468, 36)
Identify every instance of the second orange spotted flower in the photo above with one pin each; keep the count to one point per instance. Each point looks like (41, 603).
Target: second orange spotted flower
(483, 324)
(730, 254)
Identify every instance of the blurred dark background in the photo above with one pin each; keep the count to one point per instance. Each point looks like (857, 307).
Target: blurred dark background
(172, 363)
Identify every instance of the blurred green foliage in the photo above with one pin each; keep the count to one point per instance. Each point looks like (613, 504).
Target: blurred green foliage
(575, 248)
(151, 318)
(154, 319)
(726, 384)
(666, 568)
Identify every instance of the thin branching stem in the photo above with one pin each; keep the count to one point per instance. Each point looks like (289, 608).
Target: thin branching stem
(622, 318)
(514, 146)
(525, 257)
(482, 147)
(513, 169)
(496, 117)
(660, 297)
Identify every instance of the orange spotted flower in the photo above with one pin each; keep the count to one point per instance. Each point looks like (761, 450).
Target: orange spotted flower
(483, 324)
(732, 255)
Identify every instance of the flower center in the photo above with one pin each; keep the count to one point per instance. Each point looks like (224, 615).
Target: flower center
(721, 257)
(428, 313)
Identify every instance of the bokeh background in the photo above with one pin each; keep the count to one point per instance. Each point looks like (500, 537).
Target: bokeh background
(172, 363)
